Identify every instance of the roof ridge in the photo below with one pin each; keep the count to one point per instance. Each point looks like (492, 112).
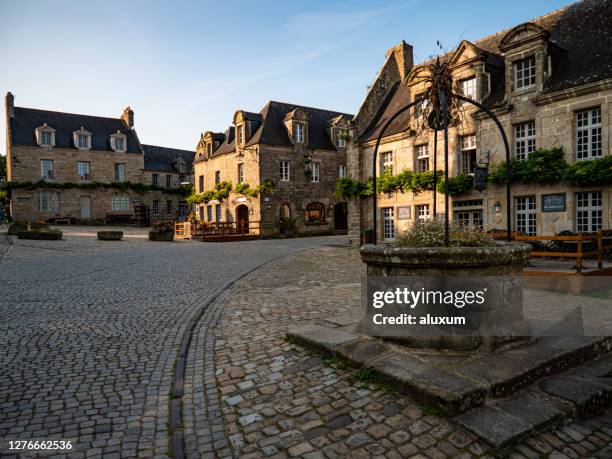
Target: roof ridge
(167, 148)
(308, 107)
(118, 118)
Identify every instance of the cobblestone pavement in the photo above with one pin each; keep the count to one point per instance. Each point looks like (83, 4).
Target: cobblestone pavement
(90, 330)
(267, 397)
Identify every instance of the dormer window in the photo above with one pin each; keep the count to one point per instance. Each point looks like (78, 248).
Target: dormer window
(118, 142)
(82, 139)
(467, 88)
(240, 134)
(209, 149)
(45, 136)
(299, 133)
(340, 138)
(524, 73)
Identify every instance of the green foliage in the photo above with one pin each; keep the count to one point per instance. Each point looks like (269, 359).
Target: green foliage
(544, 166)
(244, 188)
(456, 185)
(266, 187)
(431, 234)
(387, 183)
(347, 188)
(3, 195)
(121, 186)
(593, 172)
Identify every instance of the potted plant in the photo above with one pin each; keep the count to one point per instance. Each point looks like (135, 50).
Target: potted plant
(162, 231)
(472, 262)
(110, 235)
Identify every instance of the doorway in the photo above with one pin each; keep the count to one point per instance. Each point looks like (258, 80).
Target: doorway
(85, 205)
(242, 219)
(341, 216)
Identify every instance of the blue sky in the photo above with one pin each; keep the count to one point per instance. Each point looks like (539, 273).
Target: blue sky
(186, 67)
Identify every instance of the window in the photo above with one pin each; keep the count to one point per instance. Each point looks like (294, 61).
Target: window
(217, 177)
(342, 170)
(201, 183)
(83, 170)
(422, 158)
(526, 215)
(119, 172)
(46, 169)
(45, 138)
(588, 133)
(388, 224)
(119, 144)
(315, 212)
(421, 109)
(169, 207)
(83, 141)
(386, 160)
(588, 211)
(422, 212)
(209, 213)
(524, 139)
(299, 133)
(470, 218)
(155, 179)
(209, 149)
(340, 138)
(120, 202)
(468, 88)
(285, 211)
(155, 207)
(168, 181)
(468, 154)
(217, 212)
(524, 73)
(48, 201)
(316, 172)
(180, 166)
(241, 173)
(284, 171)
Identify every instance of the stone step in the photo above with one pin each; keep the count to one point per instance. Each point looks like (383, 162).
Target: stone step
(454, 381)
(582, 392)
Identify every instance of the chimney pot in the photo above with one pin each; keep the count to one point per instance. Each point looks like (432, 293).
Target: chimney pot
(10, 105)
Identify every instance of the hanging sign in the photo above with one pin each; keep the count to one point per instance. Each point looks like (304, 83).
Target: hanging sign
(480, 178)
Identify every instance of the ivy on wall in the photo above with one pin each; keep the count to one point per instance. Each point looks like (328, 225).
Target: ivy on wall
(120, 186)
(548, 166)
(222, 191)
(405, 181)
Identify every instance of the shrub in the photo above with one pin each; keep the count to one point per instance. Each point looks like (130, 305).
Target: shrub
(43, 234)
(431, 234)
(456, 185)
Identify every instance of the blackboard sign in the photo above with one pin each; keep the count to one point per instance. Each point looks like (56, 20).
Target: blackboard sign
(480, 178)
(553, 202)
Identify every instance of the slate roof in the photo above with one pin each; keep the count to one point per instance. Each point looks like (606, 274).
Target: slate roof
(582, 33)
(162, 158)
(26, 120)
(273, 131)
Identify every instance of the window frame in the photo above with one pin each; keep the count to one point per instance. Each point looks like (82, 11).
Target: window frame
(120, 198)
(421, 212)
(311, 209)
(474, 87)
(386, 162)
(299, 133)
(388, 218)
(86, 175)
(594, 213)
(155, 207)
(285, 172)
(593, 132)
(120, 170)
(155, 180)
(342, 171)
(525, 214)
(518, 67)
(168, 181)
(44, 172)
(524, 139)
(240, 173)
(340, 140)
(419, 157)
(468, 148)
(52, 204)
(315, 168)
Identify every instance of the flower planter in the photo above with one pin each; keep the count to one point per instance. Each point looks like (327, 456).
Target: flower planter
(497, 269)
(46, 235)
(166, 236)
(110, 235)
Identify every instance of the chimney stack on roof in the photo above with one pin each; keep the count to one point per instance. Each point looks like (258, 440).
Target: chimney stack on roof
(403, 58)
(10, 105)
(128, 117)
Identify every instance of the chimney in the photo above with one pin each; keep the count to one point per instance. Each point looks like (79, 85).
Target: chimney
(403, 58)
(10, 105)
(128, 117)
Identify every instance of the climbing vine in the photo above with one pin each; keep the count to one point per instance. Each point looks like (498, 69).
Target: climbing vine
(121, 186)
(223, 189)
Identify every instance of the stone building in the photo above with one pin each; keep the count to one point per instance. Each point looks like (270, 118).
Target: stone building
(300, 150)
(550, 83)
(87, 168)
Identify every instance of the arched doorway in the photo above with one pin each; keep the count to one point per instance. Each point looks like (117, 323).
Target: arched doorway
(242, 219)
(341, 216)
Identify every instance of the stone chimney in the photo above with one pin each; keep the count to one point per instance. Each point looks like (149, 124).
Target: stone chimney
(10, 105)
(403, 57)
(128, 117)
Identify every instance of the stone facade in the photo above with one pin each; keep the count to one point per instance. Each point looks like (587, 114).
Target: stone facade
(302, 162)
(82, 150)
(542, 113)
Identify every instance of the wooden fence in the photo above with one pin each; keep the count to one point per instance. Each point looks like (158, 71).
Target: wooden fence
(189, 230)
(586, 245)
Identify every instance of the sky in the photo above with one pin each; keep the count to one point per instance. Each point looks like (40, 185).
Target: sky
(185, 67)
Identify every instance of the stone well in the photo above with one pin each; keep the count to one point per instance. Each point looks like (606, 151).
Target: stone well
(497, 269)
